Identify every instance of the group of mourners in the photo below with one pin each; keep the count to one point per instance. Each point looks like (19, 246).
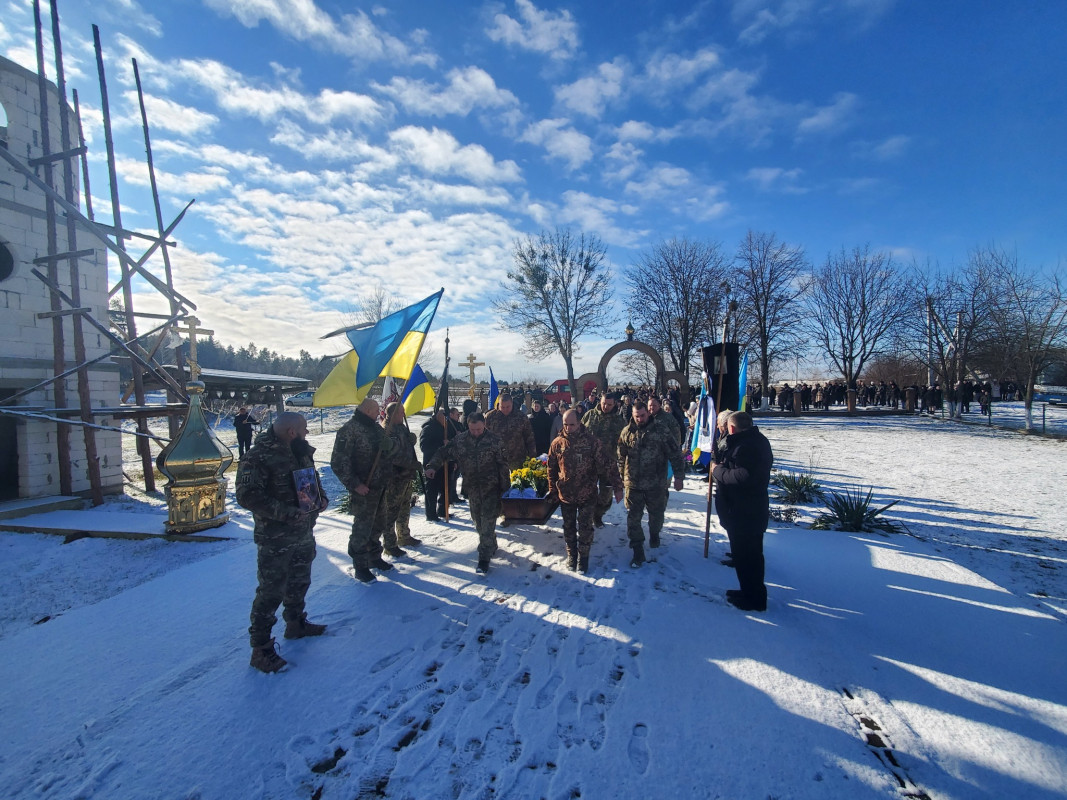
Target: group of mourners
(614, 450)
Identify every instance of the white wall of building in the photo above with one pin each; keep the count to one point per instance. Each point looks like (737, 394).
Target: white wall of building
(26, 342)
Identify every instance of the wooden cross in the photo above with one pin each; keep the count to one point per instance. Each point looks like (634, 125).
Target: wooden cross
(470, 364)
(193, 330)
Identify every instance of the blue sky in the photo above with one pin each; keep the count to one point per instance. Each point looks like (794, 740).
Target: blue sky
(332, 145)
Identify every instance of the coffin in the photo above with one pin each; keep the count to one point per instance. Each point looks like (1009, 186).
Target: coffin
(534, 510)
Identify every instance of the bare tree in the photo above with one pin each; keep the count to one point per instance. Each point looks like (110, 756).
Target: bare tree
(559, 290)
(767, 285)
(1028, 312)
(956, 322)
(677, 294)
(857, 300)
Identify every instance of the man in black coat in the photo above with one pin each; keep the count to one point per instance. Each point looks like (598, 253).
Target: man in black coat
(431, 439)
(743, 505)
(541, 423)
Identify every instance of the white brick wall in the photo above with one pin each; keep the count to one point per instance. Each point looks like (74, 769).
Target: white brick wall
(22, 296)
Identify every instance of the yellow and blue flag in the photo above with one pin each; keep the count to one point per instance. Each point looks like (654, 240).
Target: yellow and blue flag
(742, 384)
(494, 390)
(418, 394)
(388, 347)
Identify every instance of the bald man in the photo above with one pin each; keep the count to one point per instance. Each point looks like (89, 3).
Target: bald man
(361, 462)
(267, 485)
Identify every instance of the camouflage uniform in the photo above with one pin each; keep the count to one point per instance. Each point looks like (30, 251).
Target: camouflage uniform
(606, 428)
(643, 455)
(515, 432)
(486, 477)
(359, 445)
(285, 544)
(667, 419)
(576, 462)
(396, 499)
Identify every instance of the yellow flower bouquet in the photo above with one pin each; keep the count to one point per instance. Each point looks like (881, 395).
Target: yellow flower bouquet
(532, 475)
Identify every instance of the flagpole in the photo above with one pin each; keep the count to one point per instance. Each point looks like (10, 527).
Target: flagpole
(718, 403)
(443, 399)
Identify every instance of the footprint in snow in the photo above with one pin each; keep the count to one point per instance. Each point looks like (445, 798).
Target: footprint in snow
(638, 748)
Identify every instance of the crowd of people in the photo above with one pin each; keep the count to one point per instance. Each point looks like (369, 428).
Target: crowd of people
(928, 399)
(609, 448)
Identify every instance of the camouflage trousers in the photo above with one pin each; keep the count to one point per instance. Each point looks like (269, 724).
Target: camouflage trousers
(393, 514)
(578, 525)
(364, 543)
(637, 500)
(485, 508)
(284, 572)
(605, 494)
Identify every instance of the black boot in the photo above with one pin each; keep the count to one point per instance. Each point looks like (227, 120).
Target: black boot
(639, 556)
(583, 561)
(380, 563)
(266, 659)
(299, 628)
(364, 575)
(572, 558)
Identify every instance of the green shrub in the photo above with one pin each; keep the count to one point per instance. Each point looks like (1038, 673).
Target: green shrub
(797, 487)
(852, 511)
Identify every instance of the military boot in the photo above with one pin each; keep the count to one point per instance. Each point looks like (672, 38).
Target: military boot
(408, 541)
(395, 552)
(583, 560)
(266, 659)
(380, 563)
(639, 556)
(361, 564)
(299, 628)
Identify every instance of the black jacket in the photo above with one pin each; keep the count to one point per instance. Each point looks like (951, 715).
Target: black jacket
(743, 477)
(432, 437)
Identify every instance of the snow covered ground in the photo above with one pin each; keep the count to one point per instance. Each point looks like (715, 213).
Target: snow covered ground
(885, 667)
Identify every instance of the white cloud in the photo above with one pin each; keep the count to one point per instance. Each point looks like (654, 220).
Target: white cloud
(666, 73)
(590, 95)
(831, 118)
(354, 35)
(659, 181)
(467, 89)
(560, 141)
(235, 94)
(598, 215)
(186, 184)
(171, 116)
(892, 147)
(679, 192)
(555, 35)
(760, 19)
(438, 152)
(776, 179)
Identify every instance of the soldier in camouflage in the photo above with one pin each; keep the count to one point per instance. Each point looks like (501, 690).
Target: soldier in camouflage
(486, 476)
(396, 499)
(577, 461)
(285, 545)
(514, 430)
(605, 423)
(665, 418)
(362, 461)
(645, 448)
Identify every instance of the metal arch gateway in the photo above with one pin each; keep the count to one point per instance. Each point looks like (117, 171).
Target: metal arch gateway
(663, 375)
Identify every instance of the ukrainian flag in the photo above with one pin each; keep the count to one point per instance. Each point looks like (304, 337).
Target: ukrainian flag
(418, 394)
(390, 346)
